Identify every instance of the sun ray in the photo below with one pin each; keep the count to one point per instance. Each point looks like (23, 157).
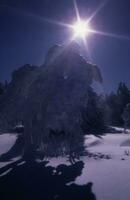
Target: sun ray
(97, 10)
(38, 17)
(112, 35)
(76, 10)
(67, 25)
(85, 42)
(60, 23)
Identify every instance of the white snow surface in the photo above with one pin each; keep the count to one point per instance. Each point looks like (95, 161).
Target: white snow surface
(110, 177)
(6, 142)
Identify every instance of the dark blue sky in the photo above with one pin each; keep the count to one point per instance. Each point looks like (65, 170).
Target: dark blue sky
(25, 36)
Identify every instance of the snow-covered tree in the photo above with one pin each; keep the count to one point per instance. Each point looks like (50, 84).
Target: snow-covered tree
(55, 100)
(49, 99)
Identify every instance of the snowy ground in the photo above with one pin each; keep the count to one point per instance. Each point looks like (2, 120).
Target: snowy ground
(6, 142)
(110, 177)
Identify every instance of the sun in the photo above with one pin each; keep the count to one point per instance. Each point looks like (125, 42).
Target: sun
(81, 29)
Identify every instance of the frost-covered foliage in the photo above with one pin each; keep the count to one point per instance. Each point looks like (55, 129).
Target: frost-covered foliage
(49, 99)
(55, 101)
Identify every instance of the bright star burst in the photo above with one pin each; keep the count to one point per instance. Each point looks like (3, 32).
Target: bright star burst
(81, 29)
(78, 27)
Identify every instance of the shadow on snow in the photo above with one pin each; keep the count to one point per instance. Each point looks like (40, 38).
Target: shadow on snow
(32, 180)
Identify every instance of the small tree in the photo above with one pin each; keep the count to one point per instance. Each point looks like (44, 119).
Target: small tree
(1, 88)
(126, 117)
(93, 115)
(113, 109)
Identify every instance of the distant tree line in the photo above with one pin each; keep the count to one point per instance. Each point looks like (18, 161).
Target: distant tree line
(116, 103)
(100, 111)
(103, 111)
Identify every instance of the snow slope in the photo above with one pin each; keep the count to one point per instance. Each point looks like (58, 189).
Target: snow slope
(6, 142)
(110, 177)
(112, 144)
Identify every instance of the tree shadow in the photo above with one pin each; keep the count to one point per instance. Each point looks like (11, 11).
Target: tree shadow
(37, 181)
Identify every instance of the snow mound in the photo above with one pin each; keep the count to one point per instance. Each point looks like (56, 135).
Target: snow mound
(6, 142)
(92, 141)
(118, 129)
(125, 143)
(110, 144)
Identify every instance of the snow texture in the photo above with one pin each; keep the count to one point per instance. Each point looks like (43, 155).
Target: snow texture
(110, 177)
(6, 142)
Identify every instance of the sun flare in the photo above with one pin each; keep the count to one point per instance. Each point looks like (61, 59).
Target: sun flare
(81, 29)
